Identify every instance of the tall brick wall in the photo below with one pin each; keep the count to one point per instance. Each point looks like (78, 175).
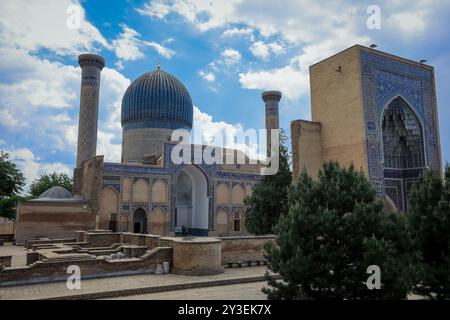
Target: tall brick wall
(306, 147)
(336, 102)
(52, 220)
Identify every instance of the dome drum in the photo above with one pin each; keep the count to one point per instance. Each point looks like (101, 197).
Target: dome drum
(153, 106)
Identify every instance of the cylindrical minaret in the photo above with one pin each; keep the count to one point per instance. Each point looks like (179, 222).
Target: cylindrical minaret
(91, 67)
(271, 99)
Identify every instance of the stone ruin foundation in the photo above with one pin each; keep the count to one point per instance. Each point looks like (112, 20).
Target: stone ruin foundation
(101, 253)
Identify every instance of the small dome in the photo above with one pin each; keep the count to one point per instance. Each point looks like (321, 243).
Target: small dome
(157, 100)
(56, 193)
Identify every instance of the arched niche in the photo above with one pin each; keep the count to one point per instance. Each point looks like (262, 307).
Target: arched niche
(159, 192)
(222, 194)
(140, 191)
(237, 194)
(108, 207)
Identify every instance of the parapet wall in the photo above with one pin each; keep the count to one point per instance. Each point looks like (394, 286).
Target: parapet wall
(244, 248)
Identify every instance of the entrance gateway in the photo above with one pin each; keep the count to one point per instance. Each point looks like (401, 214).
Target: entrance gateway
(192, 202)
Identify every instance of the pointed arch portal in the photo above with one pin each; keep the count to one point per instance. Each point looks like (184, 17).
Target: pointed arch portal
(403, 150)
(192, 202)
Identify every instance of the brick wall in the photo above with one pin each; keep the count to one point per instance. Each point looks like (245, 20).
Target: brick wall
(57, 270)
(244, 249)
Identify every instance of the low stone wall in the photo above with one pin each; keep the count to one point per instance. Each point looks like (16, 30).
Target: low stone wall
(244, 248)
(30, 243)
(5, 261)
(42, 271)
(148, 240)
(103, 239)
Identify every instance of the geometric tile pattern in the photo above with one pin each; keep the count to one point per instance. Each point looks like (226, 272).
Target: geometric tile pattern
(114, 173)
(383, 80)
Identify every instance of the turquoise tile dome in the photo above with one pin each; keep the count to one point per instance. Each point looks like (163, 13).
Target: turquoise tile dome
(157, 100)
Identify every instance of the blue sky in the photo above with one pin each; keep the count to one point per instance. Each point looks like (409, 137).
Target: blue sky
(225, 52)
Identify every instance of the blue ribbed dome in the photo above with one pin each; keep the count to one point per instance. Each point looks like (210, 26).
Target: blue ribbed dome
(157, 100)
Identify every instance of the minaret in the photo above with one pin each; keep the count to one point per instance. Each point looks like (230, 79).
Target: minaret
(91, 66)
(271, 99)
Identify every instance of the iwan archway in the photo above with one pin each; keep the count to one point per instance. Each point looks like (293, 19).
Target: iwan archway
(403, 151)
(192, 203)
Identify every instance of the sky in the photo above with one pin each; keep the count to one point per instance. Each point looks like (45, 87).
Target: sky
(225, 52)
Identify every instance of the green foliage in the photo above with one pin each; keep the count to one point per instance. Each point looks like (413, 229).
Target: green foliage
(269, 198)
(11, 179)
(42, 184)
(334, 230)
(429, 217)
(8, 205)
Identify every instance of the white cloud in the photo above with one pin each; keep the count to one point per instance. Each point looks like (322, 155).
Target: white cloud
(32, 167)
(34, 83)
(409, 22)
(260, 50)
(222, 134)
(233, 32)
(263, 50)
(162, 51)
(203, 123)
(107, 147)
(231, 56)
(293, 83)
(314, 29)
(128, 45)
(33, 25)
(40, 97)
(208, 76)
(119, 65)
(276, 48)
(204, 14)
(47, 93)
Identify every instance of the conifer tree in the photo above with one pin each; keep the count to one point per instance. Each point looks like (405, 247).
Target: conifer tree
(429, 217)
(269, 198)
(334, 230)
